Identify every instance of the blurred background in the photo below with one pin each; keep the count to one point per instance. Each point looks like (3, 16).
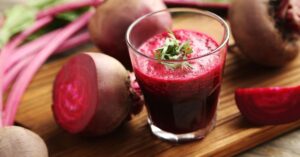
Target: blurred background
(7, 3)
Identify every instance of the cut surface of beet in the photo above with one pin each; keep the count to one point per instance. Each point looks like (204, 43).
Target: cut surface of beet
(75, 94)
(269, 106)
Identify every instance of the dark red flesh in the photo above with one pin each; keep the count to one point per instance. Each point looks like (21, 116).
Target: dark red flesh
(289, 10)
(75, 94)
(269, 106)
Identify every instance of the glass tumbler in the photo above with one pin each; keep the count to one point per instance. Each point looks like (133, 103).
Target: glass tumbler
(181, 103)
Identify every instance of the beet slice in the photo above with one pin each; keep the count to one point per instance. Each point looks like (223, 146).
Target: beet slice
(269, 106)
(75, 94)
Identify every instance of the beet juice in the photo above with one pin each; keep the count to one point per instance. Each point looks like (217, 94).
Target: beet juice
(181, 100)
(178, 58)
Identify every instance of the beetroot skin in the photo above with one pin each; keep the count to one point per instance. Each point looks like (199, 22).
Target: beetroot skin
(269, 106)
(266, 31)
(92, 95)
(109, 24)
(289, 10)
(20, 142)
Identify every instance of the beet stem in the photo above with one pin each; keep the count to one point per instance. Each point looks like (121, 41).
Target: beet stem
(26, 75)
(27, 56)
(14, 71)
(67, 7)
(75, 41)
(21, 37)
(9, 47)
(28, 49)
(196, 3)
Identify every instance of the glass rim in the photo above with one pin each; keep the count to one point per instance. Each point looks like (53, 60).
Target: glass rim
(174, 10)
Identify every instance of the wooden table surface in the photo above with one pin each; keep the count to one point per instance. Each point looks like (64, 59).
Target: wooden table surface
(287, 145)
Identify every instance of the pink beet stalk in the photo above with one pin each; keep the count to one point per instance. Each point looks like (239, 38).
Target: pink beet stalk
(193, 3)
(29, 49)
(10, 47)
(26, 75)
(36, 45)
(20, 38)
(73, 42)
(13, 71)
(67, 7)
(1, 86)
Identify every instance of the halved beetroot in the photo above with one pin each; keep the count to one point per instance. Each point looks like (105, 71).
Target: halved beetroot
(93, 94)
(269, 106)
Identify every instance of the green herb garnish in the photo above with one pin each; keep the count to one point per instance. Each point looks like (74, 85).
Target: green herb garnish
(173, 50)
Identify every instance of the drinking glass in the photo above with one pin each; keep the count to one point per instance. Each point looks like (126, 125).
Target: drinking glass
(180, 108)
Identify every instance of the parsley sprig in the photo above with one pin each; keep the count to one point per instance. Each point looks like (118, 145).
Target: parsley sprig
(174, 50)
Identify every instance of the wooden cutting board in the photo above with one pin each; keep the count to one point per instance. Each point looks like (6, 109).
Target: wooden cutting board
(231, 136)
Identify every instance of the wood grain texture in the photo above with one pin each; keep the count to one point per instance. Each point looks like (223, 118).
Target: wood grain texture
(231, 136)
(287, 146)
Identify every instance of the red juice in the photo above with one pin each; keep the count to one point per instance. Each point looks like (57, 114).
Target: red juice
(181, 100)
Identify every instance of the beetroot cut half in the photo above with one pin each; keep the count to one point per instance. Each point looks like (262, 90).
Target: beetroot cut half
(75, 94)
(269, 106)
(94, 94)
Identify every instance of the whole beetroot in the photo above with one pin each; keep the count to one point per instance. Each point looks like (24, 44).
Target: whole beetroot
(267, 31)
(94, 94)
(109, 24)
(17, 141)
